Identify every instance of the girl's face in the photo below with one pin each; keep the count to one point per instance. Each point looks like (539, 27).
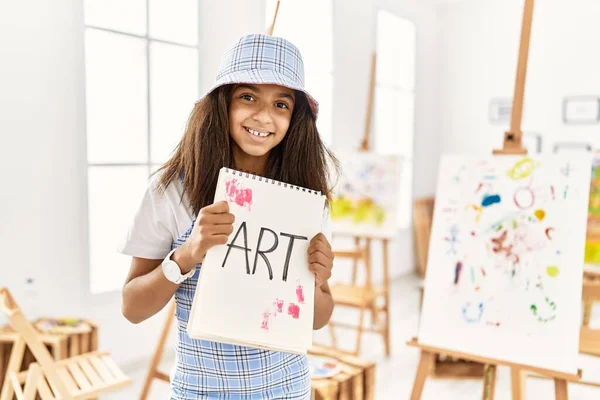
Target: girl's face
(259, 117)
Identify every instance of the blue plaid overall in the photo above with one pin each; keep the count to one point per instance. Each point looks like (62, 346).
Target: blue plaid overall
(210, 370)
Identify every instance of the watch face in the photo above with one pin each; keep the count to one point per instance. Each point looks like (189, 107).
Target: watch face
(172, 271)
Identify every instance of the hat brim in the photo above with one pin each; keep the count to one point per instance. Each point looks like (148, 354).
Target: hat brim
(263, 77)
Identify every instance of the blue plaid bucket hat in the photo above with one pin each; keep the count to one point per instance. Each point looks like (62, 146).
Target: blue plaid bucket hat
(264, 59)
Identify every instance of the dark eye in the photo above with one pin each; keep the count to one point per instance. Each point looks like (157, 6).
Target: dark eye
(280, 104)
(247, 97)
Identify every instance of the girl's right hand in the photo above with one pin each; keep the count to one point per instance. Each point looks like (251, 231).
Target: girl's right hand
(213, 226)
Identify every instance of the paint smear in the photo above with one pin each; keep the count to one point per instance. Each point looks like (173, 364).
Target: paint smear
(457, 271)
(540, 214)
(552, 271)
(477, 209)
(265, 323)
(522, 169)
(279, 305)
(300, 294)
(548, 230)
(240, 196)
(490, 199)
(294, 311)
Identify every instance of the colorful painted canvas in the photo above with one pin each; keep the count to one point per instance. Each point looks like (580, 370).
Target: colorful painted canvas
(365, 199)
(505, 267)
(592, 245)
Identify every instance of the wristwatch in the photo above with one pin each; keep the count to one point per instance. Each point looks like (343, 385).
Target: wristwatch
(172, 271)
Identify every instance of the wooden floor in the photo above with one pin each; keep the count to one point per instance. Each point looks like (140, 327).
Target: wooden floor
(395, 375)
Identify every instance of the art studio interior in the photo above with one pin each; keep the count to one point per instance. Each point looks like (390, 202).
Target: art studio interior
(401, 199)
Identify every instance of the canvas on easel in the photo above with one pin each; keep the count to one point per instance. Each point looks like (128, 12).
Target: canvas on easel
(518, 249)
(366, 196)
(505, 267)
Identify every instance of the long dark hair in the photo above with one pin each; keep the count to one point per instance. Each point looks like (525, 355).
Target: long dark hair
(301, 158)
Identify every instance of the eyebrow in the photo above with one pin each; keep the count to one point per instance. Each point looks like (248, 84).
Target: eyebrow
(255, 90)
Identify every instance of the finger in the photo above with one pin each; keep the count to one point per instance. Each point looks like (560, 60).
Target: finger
(212, 229)
(223, 229)
(216, 219)
(224, 218)
(322, 247)
(216, 208)
(218, 240)
(320, 238)
(321, 273)
(320, 258)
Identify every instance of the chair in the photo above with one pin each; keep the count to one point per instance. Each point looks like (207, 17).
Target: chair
(363, 297)
(81, 377)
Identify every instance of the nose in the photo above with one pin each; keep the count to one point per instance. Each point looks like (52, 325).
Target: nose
(262, 115)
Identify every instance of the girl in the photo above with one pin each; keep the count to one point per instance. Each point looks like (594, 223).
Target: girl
(257, 118)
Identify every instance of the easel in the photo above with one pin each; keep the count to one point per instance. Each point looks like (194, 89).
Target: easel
(364, 297)
(512, 145)
(153, 371)
(272, 27)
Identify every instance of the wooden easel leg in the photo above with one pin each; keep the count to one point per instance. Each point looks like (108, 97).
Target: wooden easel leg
(561, 390)
(425, 364)
(386, 296)
(489, 382)
(152, 371)
(587, 312)
(517, 383)
(332, 334)
(355, 261)
(359, 332)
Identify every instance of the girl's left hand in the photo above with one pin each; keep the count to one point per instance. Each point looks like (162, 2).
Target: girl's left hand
(320, 259)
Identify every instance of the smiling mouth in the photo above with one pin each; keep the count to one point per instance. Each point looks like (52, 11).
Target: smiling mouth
(258, 133)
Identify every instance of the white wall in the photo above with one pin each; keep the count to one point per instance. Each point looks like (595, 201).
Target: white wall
(43, 217)
(479, 44)
(354, 41)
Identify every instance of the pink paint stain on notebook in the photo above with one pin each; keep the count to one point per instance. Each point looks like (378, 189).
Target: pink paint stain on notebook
(300, 293)
(279, 305)
(238, 195)
(294, 311)
(265, 323)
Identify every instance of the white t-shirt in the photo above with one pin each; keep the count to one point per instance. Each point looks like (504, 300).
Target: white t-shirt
(162, 218)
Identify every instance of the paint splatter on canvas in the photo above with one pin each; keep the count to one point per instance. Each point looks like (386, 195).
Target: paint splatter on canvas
(506, 253)
(365, 198)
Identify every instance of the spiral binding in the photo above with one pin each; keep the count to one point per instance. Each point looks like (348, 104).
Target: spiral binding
(271, 181)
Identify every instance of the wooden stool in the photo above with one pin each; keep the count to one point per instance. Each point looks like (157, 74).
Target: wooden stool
(355, 381)
(79, 377)
(61, 344)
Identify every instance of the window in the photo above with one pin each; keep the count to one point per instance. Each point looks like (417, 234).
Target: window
(315, 45)
(395, 100)
(142, 79)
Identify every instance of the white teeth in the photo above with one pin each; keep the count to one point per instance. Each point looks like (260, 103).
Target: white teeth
(256, 133)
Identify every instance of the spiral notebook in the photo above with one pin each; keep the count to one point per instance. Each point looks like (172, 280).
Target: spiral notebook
(257, 290)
